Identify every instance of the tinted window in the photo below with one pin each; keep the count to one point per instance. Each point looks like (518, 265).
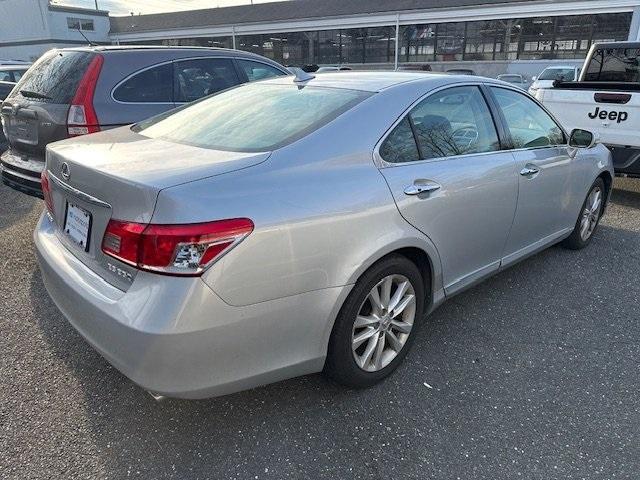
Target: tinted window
(529, 125)
(195, 79)
(252, 118)
(400, 146)
(152, 85)
(4, 90)
(5, 76)
(17, 75)
(55, 76)
(614, 65)
(455, 121)
(258, 71)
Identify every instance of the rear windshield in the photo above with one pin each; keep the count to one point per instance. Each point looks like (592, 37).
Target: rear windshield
(614, 65)
(54, 77)
(510, 78)
(566, 74)
(253, 117)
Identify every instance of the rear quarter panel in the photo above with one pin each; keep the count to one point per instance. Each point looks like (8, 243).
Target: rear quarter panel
(322, 210)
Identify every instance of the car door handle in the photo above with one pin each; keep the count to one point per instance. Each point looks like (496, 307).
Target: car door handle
(418, 188)
(529, 170)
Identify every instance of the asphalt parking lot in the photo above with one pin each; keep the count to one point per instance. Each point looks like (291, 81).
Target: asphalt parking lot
(534, 374)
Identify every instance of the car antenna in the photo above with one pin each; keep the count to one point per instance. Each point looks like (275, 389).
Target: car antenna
(302, 77)
(91, 44)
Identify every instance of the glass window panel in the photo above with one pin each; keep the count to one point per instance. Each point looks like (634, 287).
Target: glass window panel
(536, 39)
(572, 36)
(380, 45)
(329, 47)
(450, 41)
(611, 27)
(530, 126)
(194, 79)
(483, 39)
(400, 146)
(455, 121)
(252, 118)
(153, 85)
(417, 43)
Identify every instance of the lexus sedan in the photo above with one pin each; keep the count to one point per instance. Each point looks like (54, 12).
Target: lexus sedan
(295, 225)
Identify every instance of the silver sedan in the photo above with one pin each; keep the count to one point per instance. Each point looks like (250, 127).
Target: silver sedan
(298, 225)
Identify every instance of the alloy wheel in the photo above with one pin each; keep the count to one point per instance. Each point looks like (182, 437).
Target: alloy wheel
(384, 322)
(591, 213)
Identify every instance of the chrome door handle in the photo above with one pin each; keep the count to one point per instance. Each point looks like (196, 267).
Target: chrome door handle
(418, 188)
(529, 170)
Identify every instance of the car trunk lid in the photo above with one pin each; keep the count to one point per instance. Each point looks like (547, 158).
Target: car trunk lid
(118, 174)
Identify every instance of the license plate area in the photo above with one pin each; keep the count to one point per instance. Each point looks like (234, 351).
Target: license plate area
(77, 225)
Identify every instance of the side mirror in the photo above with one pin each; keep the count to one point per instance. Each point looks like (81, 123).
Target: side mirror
(534, 78)
(582, 139)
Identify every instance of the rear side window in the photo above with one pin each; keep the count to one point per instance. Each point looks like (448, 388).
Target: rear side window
(55, 76)
(614, 65)
(153, 85)
(252, 118)
(258, 70)
(529, 125)
(5, 76)
(400, 146)
(198, 78)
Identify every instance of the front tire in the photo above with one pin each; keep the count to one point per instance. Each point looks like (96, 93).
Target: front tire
(376, 325)
(589, 217)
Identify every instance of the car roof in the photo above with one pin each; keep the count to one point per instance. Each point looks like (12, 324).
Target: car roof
(13, 67)
(376, 81)
(105, 49)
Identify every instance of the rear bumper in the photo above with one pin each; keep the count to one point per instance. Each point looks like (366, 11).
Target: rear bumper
(626, 160)
(21, 173)
(176, 337)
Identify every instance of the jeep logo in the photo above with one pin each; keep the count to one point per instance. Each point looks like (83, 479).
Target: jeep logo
(613, 116)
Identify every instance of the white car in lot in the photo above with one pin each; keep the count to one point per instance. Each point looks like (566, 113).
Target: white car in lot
(566, 73)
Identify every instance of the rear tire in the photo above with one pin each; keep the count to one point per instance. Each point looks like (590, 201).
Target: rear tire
(376, 325)
(589, 217)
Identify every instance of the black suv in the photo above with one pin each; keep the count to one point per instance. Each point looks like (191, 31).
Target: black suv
(76, 91)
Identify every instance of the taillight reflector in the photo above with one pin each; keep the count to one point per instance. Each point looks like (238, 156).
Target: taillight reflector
(46, 191)
(82, 118)
(173, 249)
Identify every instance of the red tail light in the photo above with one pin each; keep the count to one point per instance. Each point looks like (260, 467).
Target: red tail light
(174, 249)
(82, 118)
(46, 191)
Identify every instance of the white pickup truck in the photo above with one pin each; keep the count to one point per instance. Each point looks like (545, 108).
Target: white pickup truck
(605, 100)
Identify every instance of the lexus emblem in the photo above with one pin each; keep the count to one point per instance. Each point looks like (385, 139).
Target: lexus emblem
(64, 170)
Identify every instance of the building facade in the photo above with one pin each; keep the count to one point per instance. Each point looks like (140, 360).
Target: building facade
(28, 28)
(489, 36)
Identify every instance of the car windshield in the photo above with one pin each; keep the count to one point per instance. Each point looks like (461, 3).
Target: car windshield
(252, 118)
(614, 65)
(511, 78)
(558, 74)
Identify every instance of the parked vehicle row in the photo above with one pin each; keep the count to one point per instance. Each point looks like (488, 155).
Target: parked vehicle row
(295, 225)
(77, 91)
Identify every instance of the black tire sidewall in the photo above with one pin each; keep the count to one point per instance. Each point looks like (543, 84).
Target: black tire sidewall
(575, 241)
(340, 363)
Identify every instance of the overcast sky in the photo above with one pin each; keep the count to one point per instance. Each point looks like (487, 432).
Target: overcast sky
(124, 7)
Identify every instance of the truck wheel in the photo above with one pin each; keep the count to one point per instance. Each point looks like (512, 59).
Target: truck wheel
(589, 217)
